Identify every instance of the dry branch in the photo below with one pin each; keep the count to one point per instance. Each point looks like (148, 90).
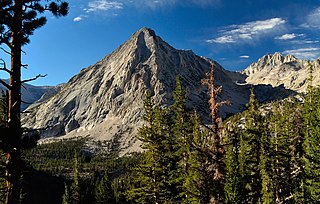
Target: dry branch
(32, 79)
(4, 67)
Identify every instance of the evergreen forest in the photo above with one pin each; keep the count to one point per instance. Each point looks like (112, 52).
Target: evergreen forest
(267, 154)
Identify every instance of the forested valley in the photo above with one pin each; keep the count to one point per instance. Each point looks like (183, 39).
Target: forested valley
(267, 154)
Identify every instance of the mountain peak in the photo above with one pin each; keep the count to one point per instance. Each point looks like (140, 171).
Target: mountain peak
(276, 69)
(147, 31)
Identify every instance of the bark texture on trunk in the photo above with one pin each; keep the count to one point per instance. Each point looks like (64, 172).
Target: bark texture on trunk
(12, 152)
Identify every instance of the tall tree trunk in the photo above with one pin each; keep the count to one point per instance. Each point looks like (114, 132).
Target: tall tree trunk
(13, 151)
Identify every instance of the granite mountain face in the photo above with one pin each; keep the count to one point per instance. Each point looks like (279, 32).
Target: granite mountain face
(276, 70)
(106, 99)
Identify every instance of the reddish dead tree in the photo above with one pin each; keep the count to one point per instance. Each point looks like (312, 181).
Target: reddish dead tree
(18, 20)
(216, 149)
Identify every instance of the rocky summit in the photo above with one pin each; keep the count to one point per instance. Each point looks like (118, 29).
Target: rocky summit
(106, 99)
(276, 70)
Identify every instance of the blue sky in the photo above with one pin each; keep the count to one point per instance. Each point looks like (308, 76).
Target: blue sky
(233, 32)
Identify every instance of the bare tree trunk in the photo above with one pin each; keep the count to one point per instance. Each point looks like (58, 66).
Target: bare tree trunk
(13, 140)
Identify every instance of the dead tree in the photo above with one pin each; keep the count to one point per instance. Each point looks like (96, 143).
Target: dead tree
(215, 131)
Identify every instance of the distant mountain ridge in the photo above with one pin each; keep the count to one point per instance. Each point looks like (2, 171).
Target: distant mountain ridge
(32, 94)
(106, 99)
(287, 70)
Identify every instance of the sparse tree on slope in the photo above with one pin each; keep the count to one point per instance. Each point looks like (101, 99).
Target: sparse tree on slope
(18, 20)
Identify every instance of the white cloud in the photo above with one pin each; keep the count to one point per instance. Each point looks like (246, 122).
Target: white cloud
(222, 39)
(103, 5)
(155, 4)
(286, 37)
(245, 56)
(305, 41)
(313, 19)
(248, 31)
(311, 53)
(77, 19)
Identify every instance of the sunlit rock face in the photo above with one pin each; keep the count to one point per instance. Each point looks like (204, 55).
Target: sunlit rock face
(276, 69)
(106, 99)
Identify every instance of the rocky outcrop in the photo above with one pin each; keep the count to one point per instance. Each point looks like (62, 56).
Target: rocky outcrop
(287, 70)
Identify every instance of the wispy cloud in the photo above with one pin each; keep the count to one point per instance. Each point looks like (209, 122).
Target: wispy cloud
(222, 39)
(103, 5)
(248, 31)
(313, 19)
(244, 56)
(288, 36)
(304, 53)
(154, 4)
(77, 19)
(114, 6)
(301, 42)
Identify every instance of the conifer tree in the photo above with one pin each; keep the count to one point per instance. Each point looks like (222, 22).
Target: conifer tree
(250, 152)
(311, 144)
(182, 130)
(66, 196)
(103, 191)
(286, 127)
(18, 21)
(199, 182)
(75, 196)
(233, 178)
(152, 177)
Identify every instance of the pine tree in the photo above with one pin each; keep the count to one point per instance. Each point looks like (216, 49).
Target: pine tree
(232, 181)
(75, 197)
(311, 144)
(66, 196)
(199, 183)
(250, 152)
(18, 21)
(182, 130)
(103, 191)
(285, 126)
(152, 177)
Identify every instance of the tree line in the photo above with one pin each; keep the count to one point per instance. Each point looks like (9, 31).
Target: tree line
(268, 154)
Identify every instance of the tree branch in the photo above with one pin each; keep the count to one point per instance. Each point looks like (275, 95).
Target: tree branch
(7, 52)
(4, 68)
(32, 79)
(24, 66)
(5, 84)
